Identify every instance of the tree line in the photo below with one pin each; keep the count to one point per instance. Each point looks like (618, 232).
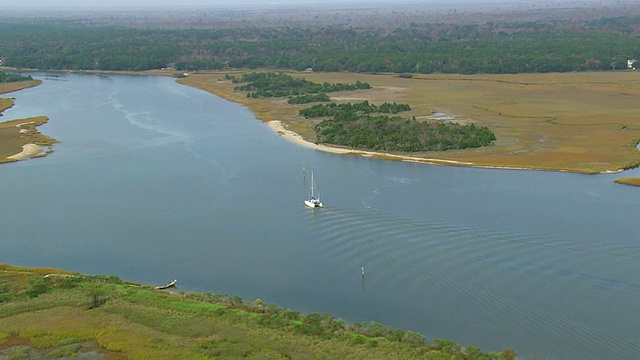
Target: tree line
(272, 84)
(364, 107)
(492, 47)
(6, 77)
(384, 133)
(309, 98)
(364, 125)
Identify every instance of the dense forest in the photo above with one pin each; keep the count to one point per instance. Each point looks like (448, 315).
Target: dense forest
(354, 129)
(500, 46)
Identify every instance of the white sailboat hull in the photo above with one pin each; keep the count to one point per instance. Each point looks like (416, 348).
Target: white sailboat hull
(313, 203)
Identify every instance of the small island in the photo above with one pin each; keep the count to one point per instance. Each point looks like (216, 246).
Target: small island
(20, 139)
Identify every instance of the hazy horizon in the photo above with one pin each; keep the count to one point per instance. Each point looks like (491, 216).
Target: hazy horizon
(47, 4)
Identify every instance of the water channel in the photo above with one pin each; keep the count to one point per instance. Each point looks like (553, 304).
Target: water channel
(153, 181)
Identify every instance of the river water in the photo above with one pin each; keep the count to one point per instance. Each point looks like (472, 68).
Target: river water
(153, 181)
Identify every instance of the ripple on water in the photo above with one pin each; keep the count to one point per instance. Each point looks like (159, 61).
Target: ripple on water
(538, 284)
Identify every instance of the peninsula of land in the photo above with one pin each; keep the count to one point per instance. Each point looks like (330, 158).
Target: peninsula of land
(20, 139)
(575, 122)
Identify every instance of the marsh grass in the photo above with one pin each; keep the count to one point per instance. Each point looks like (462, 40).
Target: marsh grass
(582, 122)
(16, 133)
(139, 322)
(17, 85)
(634, 181)
(5, 104)
(11, 137)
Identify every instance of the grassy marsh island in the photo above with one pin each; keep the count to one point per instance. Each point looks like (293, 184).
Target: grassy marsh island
(20, 139)
(579, 122)
(48, 313)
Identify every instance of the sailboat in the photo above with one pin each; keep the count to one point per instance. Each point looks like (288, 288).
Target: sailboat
(313, 201)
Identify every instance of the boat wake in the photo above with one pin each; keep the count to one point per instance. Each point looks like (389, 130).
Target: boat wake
(470, 277)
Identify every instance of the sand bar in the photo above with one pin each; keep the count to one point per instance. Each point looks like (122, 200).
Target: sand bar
(28, 151)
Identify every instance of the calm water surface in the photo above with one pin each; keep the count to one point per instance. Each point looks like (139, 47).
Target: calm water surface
(153, 181)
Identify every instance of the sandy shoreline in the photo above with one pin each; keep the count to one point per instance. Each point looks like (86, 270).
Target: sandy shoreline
(279, 128)
(28, 151)
(294, 137)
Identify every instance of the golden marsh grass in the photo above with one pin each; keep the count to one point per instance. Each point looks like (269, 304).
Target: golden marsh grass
(581, 122)
(634, 181)
(18, 85)
(11, 137)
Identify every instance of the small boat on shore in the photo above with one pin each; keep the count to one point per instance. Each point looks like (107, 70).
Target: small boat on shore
(313, 201)
(171, 284)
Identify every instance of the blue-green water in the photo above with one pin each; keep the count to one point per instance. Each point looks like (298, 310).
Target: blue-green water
(153, 181)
